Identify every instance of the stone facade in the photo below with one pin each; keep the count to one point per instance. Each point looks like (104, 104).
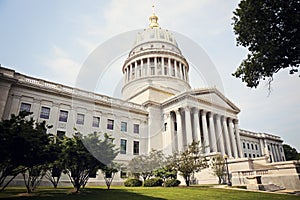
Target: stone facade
(159, 110)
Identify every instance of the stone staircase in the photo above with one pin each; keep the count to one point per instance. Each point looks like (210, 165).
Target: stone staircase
(270, 187)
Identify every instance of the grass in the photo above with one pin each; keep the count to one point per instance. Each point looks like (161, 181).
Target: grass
(157, 193)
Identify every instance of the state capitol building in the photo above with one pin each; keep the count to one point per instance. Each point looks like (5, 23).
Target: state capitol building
(159, 109)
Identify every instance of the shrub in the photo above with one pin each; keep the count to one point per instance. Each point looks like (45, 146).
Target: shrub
(133, 182)
(172, 183)
(152, 182)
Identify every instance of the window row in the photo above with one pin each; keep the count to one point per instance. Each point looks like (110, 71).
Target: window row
(63, 117)
(250, 156)
(248, 146)
(123, 147)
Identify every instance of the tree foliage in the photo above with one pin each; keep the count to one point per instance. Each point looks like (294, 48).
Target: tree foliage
(217, 164)
(145, 165)
(83, 155)
(190, 161)
(290, 152)
(25, 147)
(270, 31)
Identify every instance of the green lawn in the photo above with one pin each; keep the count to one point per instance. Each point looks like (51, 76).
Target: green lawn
(142, 193)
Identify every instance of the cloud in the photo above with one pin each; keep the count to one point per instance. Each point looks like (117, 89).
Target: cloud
(61, 66)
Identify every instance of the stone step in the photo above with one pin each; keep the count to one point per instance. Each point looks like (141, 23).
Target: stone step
(271, 187)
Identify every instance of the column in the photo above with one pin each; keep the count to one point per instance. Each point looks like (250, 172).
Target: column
(163, 66)
(135, 70)
(155, 66)
(148, 67)
(15, 105)
(179, 131)
(226, 135)
(233, 139)
(188, 126)
(171, 127)
(131, 68)
(142, 68)
(267, 153)
(184, 74)
(170, 67)
(175, 66)
(197, 132)
(219, 134)
(205, 132)
(261, 145)
(35, 109)
(238, 139)
(212, 133)
(168, 135)
(271, 153)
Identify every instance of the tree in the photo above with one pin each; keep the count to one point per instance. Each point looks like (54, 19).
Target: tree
(270, 31)
(109, 172)
(55, 168)
(167, 170)
(290, 152)
(217, 164)
(84, 155)
(190, 161)
(144, 165)
(25, 145)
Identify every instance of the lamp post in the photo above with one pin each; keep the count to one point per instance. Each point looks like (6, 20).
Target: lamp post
(228, 178)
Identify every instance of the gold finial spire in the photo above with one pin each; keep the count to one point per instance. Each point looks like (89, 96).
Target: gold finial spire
(153, 19)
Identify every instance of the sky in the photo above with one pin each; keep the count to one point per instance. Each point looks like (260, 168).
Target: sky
(52, 39)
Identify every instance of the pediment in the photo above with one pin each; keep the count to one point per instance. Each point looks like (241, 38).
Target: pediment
(214, 97)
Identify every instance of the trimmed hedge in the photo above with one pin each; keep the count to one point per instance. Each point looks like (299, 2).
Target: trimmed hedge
(171, 183)
(133, 182)
(153, 182)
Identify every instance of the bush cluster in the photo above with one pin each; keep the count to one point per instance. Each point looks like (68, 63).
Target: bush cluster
(133, 182)
(171, 183)
(153, 182)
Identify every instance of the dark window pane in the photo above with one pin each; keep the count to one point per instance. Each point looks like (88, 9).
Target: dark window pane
(63, 116)
(45, 113)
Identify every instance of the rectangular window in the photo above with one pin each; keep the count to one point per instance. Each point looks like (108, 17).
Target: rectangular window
(123, 174)
(136, 128)
(61, 134)
(45, 112)
(253, 155)
(136, 147)
(25, 107)
(257, 155)
(256, 147)
(165, 126)
(248, 146)
(110, 124)
(252, 146)
(244, 145)
(123, 145)
(249, 155)
(80, 119)
(124, 126)
(175, 126)
(63, 116)
(268, 147)
(245, 155)
(96, 122)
